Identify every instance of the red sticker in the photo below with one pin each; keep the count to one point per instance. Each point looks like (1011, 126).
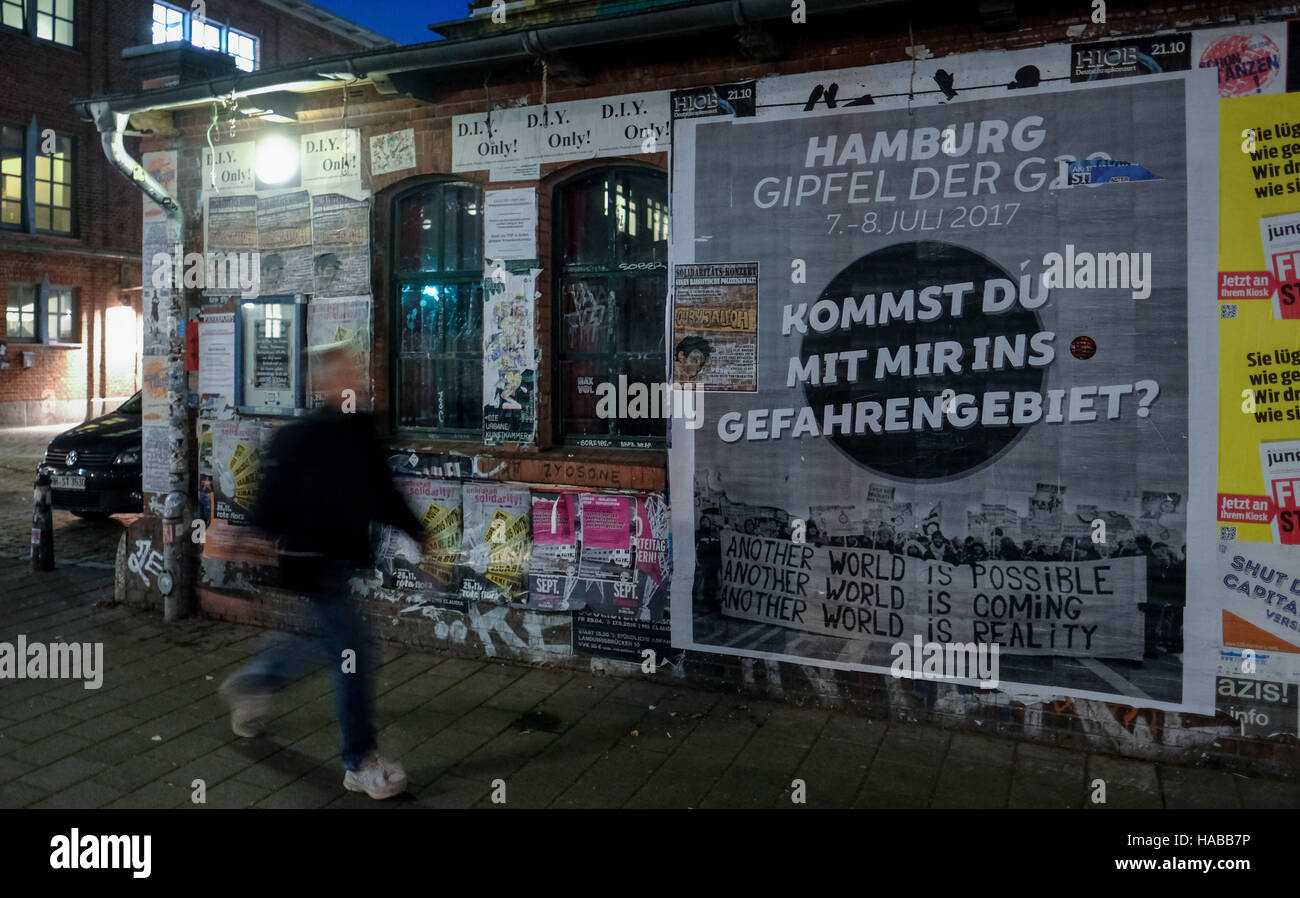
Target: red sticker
(1083, 347)
(1247, 63)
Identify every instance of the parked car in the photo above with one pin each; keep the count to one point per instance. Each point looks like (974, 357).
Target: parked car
(95, 468)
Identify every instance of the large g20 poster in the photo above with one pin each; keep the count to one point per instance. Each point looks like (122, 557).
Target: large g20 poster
(985, 405)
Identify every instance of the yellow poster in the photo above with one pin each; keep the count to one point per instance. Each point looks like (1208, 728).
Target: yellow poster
(1259, 370)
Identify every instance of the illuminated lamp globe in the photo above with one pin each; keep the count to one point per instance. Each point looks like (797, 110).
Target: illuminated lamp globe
(276, 160)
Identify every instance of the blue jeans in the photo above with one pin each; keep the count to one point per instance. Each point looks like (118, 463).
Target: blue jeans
(340, 626)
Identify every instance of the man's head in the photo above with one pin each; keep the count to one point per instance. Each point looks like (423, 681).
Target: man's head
(692, 355)
(327, 267)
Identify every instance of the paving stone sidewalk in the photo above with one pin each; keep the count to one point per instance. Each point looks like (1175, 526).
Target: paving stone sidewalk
(557, 738)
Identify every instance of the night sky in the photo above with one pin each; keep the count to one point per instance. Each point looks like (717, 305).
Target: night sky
(405, 21)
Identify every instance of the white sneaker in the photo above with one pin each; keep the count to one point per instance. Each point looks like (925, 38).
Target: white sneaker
(249, 711)
(376, 777)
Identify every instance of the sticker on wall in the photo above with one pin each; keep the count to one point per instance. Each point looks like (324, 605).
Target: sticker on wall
(736, 100)
(496, 544)
(715, 326)
(391, 152)
(510, 224)
(331, 161)
(509, 359)
(1249, 60)
(1147, 55)
(433, 575)
(236, 463)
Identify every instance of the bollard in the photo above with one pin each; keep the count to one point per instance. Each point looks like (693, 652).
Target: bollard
(42, 524)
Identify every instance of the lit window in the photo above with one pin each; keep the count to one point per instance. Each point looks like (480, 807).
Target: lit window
(171, 23)
(53, 185)
(60, 314)
(205, 35)
(243, 47)
(13, 13)
(439, 309)
(11, 176)
(21, 313)
(168, 24)
(611, 288)
(54, 21)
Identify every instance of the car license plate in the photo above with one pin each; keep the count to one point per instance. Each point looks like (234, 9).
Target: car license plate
(69, 482)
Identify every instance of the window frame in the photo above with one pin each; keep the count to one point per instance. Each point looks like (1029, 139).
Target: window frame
(22, 14)
(24, 193)
(47, 293)
(71, 186)
(41, 294)
(562, 271)
(35, 336)
(30, 139)
(33, 14)
(399, 277)
(224, 30)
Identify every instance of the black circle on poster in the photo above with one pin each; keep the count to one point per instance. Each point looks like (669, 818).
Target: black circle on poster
(925, 453)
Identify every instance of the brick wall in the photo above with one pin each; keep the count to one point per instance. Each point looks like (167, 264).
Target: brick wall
(869, 38)
(42, 79)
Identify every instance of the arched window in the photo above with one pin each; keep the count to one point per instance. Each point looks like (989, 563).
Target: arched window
(438, 309)
(611, 288)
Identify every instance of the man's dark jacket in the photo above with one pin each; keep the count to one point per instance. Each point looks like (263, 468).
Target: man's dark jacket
(323, 481)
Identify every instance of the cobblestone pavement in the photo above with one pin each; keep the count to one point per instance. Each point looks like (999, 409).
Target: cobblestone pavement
(556, 738)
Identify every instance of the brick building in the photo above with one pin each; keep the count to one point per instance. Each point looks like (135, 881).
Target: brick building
(70, 228)
(558, 124)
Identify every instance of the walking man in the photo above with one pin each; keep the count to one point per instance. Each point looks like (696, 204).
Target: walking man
(323, 481)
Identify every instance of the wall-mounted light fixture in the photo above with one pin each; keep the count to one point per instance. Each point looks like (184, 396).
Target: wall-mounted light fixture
(275, 162)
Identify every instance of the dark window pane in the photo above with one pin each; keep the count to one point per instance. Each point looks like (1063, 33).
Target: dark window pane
(439, 228)
(586, 229)
(642, 310)
(587, 315)
(578, 385)
(649, 422)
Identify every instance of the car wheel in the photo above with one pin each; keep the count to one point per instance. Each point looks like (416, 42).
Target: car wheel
(93, 515)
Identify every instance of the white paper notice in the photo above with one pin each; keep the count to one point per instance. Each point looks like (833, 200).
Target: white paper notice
(515, 171)
(578, 129)
(331, 160)
(510, 224)
(217, 355)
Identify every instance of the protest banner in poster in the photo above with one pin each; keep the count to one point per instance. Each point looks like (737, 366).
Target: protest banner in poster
(509, 357)
(973, 345)
(1259, 372)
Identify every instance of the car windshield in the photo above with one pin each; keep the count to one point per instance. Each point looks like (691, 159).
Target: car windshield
(132, 405)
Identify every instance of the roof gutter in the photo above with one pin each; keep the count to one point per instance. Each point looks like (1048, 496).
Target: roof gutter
(111, 124)
(520, 45)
